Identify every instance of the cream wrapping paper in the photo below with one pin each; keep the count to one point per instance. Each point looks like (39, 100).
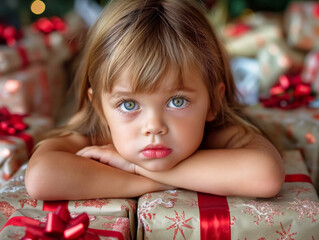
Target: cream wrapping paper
(61, 45)
(14, 196)
(245, 36)
(292, 129)
(310, 72)
(292, 214)
(15, 151)
(302, 24)
(277, 58)
(28, 51)
(38, 89)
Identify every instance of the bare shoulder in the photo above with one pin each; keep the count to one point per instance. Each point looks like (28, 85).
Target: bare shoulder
(234, 137)
(71, 142)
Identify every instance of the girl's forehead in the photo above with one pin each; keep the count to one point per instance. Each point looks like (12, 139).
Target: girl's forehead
(148, 79)
(173, 78)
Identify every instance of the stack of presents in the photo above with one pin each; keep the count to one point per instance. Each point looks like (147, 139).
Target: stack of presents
(275, 62)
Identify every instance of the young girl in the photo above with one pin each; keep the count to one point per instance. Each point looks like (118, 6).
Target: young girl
(157, 111)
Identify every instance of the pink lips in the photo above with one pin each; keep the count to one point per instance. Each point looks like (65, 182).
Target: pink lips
(156, 151)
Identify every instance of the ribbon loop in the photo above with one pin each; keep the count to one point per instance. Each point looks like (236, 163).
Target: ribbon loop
(59, 225)
(11, 124)
(9, 35)
(48, 25)
(288, 93)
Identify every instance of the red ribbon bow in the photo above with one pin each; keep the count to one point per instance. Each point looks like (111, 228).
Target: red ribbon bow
(48, 25)
(11, 124)
(9, 35)
(289, 93)
(60, 226)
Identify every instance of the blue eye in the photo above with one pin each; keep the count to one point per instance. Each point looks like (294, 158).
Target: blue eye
(129, 105)
(177, 102)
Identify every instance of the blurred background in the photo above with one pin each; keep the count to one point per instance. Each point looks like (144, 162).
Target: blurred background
(19, 13)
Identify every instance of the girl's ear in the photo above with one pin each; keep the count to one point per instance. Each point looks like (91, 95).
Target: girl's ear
(221, 92)
(90, 94)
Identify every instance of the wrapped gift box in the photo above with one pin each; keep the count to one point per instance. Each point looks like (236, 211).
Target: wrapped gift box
(15, 148)
(292, 129)
(302, 24)
(245, 37)
(310, 72)
(105, 227)
(61, 37)
(275, 59)
(26, 52)
(181, 214)
(14, 196)
(246, 73)
(39, 89)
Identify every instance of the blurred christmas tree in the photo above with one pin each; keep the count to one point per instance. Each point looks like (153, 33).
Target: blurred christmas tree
(238, 7)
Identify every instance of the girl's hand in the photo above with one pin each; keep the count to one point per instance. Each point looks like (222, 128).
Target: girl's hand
(107, 154)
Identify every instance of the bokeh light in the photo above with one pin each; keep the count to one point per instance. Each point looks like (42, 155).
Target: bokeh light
(37, 7)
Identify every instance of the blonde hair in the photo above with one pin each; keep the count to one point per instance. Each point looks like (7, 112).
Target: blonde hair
(148, 37)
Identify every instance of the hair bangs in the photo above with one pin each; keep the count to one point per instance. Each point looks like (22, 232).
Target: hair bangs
(148, 48)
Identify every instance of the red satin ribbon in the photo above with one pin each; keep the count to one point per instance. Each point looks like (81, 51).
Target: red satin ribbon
(23, 55)
(52, 206)
(61, 226)
(298, 178)
(214, 217)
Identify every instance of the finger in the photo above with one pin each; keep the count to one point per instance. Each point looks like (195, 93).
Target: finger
(89, 148)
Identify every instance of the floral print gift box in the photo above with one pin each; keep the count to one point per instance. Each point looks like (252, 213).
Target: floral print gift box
(181, 214)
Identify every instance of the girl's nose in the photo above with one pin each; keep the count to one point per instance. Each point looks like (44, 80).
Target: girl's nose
(155, 125)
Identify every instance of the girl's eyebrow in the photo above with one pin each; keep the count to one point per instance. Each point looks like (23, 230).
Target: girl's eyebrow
(119, 94)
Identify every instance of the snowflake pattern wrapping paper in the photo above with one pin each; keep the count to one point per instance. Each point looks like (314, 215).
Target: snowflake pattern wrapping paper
(14, 197)
(298, 129)
(293, 214)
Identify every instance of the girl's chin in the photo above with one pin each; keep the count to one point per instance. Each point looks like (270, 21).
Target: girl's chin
(157, 165)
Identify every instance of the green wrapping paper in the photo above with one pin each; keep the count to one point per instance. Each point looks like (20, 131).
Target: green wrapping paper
(179, 214)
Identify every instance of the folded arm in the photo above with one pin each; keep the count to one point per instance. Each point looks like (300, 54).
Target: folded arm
(55, 172)
(238, 164)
